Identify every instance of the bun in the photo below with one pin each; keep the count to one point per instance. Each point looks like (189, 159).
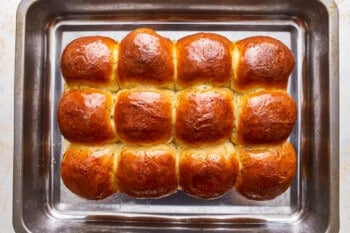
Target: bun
(144, 117)
(203, 117)
(147, 172)
(209, 172)
(86, 171)
(261, 62)
(266, 172)
(203, 58)
(149, 116)
(84, 116)
(265, 117)
(90, 61)
(146, 58)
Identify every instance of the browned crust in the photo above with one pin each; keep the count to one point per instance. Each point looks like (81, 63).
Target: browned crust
(88, 172)
(145, 57)
(207, 173)
(266, 172)
(204, 117)
(203, 58)
(84, 116)
(263, 62)
(89, 61)
(143, 117)
(147, 172)
(266, 117)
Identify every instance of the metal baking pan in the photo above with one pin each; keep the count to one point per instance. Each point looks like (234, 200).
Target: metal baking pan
(41, 203)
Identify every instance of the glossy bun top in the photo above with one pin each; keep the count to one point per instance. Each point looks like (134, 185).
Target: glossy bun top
(204, 117)
(265, 117)
(203, 58)
(146, 58)
(84, 116)
(90, 61)
(261, 62)
(86, 171)
(144, 117)
(147, 172)
(266, 172)
(208, 173)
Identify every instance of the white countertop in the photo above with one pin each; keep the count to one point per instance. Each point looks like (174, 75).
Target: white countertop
(7, 53)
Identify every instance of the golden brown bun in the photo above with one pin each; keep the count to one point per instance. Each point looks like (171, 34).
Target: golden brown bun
(143, 117)
(145, 58)
(266, 172)
(147, 172)
(88, 171)
(261, 62)
(265, 117)
(204, 117)
(84, 116)
(203, 58)
(208, 173)
(90, 61)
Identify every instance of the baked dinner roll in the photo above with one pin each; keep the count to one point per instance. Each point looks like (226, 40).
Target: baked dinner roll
(204, 116)
(265, 117)
(88, 171)
(208, 173)
(84, 116)
(203, 58)
(266, 172)
(146, 58)
(148, 172)
(144, 117)
(261, 62)
(90, 61)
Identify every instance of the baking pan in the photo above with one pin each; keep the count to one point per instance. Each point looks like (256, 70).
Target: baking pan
(41, 203)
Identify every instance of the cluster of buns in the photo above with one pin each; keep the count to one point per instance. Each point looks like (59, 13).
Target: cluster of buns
(148, 116)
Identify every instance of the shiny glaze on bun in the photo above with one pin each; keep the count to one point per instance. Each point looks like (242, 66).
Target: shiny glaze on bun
(84, 116)
(203, 58)
(266, 172)
(208, 173)
(265, 117)
(87, 171)
(90, 61)
(204, 117)
(143, 117)
(145, 57)
(147, 172)
(261, 62)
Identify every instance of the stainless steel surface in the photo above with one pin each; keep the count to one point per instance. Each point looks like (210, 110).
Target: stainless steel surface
(42, 203)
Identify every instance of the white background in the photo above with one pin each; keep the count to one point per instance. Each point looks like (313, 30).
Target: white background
(7, 53)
